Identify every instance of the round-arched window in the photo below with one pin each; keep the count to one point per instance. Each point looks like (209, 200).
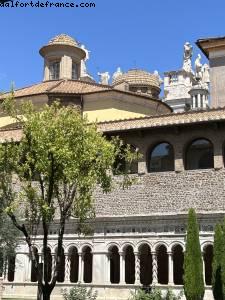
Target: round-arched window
(199, 155)
(161, 158)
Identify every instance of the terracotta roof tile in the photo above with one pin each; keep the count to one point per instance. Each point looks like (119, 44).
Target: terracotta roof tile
(164, 120)
(78, 87)
(58, 86)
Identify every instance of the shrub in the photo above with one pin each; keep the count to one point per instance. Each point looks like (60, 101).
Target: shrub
(79, 293)
(155, 294)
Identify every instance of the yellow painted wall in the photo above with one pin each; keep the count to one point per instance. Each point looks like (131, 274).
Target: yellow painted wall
(110, 114)
(113, 109)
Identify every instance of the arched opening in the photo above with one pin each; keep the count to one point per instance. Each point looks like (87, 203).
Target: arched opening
(129, 265)
(178, 261)
(34, 267)
(11, 268)
(121, 165)
(48, 274)
(199, 155)
(61, 270)
(145, 265)
(87, 259)
(161, 158)
(114, 265)
(208, 258)
(74, 264)
(162, 261)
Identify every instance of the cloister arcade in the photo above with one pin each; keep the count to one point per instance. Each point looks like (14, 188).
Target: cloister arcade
(143, 265)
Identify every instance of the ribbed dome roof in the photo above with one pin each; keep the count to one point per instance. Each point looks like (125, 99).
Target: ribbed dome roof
(63, 39)
(138, 77)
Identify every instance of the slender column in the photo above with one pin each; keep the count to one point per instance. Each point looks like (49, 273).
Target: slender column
(53, 264)
(193, 101)
(199, 100)
(67, 267)
(203, 267)
(154, 268)
(137, 268)
(122, 268)
(28, 264)
(81, 268)
(170, 262)
(107, 267)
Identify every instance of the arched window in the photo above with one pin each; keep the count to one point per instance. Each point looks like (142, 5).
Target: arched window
(114, 265)
(74, 264)
(34, 268)
(48, 275)
(161, 158)
(145, 265)
(178, 261)
(162, 261)
(129, 265)
(87, 265)
(61, 271)
(11, 268)
(208, 258)
(199, 155)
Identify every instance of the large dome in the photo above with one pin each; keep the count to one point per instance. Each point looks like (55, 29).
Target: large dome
(63, 39)
(138, 77)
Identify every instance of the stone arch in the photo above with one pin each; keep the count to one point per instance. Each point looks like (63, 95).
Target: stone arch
(208, 259)
(142, 242)
(158, 244)
(34, 268)
(67, 248)
(145, 257)
(87, 263)
(129, 264)
(161, 157)
(199, 154)
(178, 262)
(162, 262)
(84, 246)
(175, 243)
(114, 264)
(73, 258)
(127, 244)
(110, 245)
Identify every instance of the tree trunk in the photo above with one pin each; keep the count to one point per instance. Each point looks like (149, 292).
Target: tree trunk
(44, 293)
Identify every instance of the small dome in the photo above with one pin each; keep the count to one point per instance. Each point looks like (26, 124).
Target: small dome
(138, 77)
(63, 39)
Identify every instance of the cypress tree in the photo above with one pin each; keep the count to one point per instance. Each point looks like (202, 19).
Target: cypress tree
(217, 283)
(193, 267)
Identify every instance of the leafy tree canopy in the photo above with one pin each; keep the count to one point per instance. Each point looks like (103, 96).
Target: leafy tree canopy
(52, 173)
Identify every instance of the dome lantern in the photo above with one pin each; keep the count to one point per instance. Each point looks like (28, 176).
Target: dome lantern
(62, 58)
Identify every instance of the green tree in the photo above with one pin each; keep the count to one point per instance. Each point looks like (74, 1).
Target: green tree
(193, 265)
(218, 258)
(8, 240)
(57, 164)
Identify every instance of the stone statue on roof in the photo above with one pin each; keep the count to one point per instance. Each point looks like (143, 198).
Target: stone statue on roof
(83, 67)
(117, 73)
(156, 73)
(205, 74)
(188, 51)
(198, 68)
(104, 78)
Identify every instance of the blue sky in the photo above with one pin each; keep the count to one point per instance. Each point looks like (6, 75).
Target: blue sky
(144, 34)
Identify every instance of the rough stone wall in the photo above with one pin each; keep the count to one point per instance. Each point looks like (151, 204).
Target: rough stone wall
(166, 192)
